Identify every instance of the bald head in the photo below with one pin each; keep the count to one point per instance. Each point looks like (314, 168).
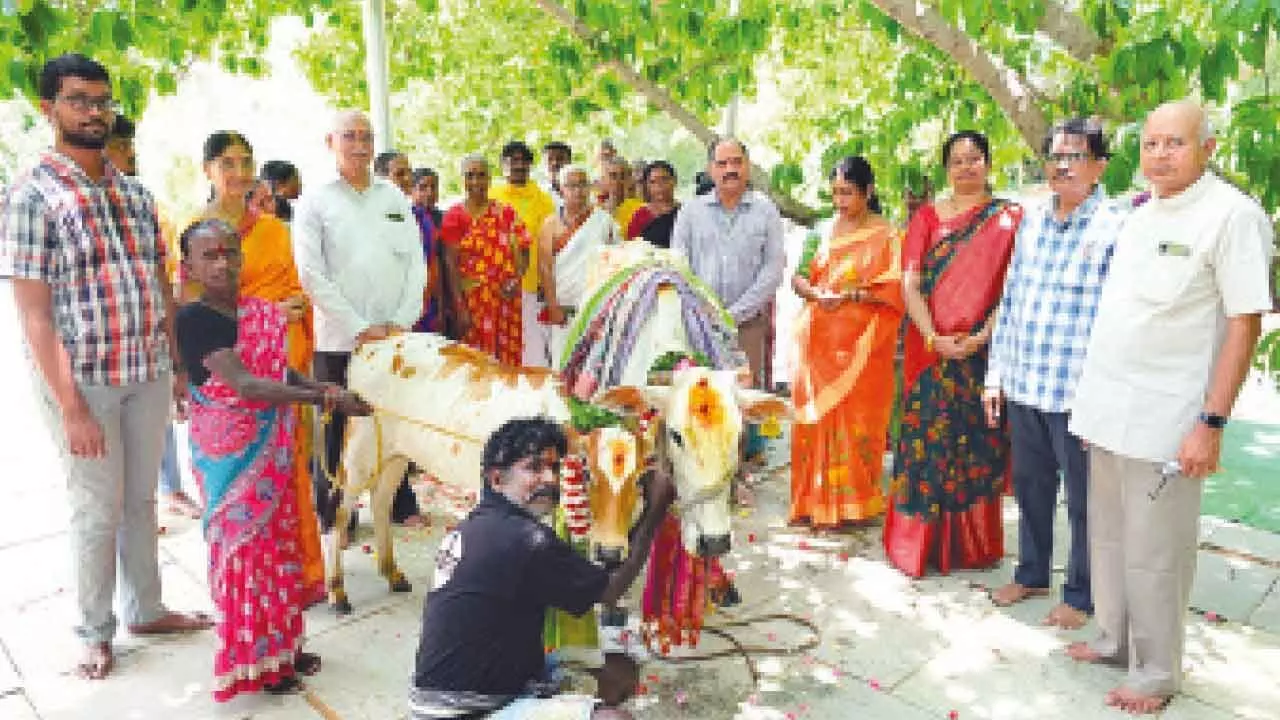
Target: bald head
(351, 140)
(1175, 147)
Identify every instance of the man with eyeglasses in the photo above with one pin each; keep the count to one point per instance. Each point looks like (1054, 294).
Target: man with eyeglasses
(1060, 262)
(80, 242)
(1173, 341)
(359, 256)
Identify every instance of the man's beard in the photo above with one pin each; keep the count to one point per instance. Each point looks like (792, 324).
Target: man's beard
(84, 140)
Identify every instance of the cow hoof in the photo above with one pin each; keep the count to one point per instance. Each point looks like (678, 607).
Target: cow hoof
(401, 585)
(341, 607)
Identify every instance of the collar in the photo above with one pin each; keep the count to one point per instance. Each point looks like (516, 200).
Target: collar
(1194, 192)
(744, 201)
(496, 501)
(1084, 210)
(66, 168)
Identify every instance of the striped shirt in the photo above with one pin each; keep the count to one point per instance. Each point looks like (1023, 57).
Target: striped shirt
(738, 253)
(97, 244)
(1050, 300)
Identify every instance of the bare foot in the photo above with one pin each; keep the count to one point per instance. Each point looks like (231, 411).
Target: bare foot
(1135, 703)
(1066, 617)
(97, 662)
(181, 503)
(1014, 593)
(1082, 652)
(174, 623)
(414, 521)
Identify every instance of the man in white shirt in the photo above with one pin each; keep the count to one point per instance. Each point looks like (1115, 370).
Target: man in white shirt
(1176, 328)
(359, 258)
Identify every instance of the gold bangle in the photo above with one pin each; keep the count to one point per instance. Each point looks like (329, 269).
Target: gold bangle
(928, 341)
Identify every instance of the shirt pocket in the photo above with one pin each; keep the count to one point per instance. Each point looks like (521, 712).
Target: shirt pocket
(1166, 277)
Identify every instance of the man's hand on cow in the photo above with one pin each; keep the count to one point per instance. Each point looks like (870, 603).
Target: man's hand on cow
(371, 334)
(1200, 451)
(85, 437)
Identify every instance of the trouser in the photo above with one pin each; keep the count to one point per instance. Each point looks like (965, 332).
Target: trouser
(536, 336)
(332, 367)
(1042, 448)
(113, 504)
(170, 474)
(1143, 534)
(753, 339)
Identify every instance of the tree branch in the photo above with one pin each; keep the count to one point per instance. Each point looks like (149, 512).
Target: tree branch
(664, 101)
(1009, 89)
(1070, 31)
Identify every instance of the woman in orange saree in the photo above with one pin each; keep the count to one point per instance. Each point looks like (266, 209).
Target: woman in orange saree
(842, 390)
(268, 272)
(950, 470)
(486, 248)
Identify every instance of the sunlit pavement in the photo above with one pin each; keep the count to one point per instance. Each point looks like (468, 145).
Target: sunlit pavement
(888, 648)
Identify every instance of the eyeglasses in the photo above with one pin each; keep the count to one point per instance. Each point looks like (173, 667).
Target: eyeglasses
(83, 103)
(1168, 144)
(1066, 157)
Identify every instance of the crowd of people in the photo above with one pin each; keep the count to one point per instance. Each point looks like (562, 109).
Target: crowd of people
(1093, 339)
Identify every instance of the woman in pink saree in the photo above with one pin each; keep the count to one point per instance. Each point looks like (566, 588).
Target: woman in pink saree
(242, 424)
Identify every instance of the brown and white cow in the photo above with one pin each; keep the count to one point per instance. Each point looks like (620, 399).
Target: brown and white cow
(436, 402)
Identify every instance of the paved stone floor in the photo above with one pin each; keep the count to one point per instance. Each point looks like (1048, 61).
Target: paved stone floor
(888, 647)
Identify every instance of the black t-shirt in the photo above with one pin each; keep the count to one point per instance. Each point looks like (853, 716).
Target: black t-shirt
(496, 575)
(202, 331)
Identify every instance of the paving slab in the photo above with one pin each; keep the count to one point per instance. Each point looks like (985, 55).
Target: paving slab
(1249, 541)
(1229, 586)
(16, 707)
(1267, 616)
(1233, 667)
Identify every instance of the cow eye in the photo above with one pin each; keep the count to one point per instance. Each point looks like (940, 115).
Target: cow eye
(675, 436)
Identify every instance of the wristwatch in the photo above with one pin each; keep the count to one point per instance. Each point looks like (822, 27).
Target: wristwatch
(1213, 421)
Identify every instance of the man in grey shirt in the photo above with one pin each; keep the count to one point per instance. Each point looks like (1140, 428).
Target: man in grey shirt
(732, 239)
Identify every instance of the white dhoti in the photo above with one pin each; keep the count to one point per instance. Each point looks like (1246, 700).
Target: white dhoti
(573, 264)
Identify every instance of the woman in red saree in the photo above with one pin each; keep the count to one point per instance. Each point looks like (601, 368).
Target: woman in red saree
(849, 277)
(486, 248)
(242, 444)
(950, 469)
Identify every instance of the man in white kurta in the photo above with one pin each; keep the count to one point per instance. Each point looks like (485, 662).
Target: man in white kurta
(1176, 328)
(359, 256)
(568, 243)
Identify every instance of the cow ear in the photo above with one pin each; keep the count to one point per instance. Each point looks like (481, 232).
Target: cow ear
(759, 406)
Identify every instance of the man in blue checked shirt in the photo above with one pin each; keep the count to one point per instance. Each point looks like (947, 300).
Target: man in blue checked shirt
(1060, 261)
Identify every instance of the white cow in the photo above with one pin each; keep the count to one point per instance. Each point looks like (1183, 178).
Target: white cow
(436, 402)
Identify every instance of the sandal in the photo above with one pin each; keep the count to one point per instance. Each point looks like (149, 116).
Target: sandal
(287, 685)
(97, 663)
(306, 663)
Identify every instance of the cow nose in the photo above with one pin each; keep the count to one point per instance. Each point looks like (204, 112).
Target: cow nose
(713, 545)
(609, 556)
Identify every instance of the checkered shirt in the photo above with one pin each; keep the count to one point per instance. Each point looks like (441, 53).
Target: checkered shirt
(1050, 300)
(98, 246)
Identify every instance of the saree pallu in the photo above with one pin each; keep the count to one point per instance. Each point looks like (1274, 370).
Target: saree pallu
(487, 248)
(950, 470)
(268, 272)
(241, 457)
(843, 383)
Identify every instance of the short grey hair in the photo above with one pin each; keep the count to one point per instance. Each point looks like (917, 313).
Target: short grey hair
(563, 176)
(473, 157)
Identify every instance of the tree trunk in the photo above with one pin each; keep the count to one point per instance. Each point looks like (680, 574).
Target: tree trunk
(663, 100)
(1009, 89)
(1070, 31)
